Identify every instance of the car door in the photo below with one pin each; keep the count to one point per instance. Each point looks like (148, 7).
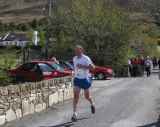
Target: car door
(27, 72)
(47, 71)
(61, 72)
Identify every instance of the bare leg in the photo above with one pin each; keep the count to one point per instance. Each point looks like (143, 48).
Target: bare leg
(88, 97)
(76, 98)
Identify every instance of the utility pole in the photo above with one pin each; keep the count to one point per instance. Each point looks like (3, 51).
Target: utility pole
(50, 5)
(50, 8)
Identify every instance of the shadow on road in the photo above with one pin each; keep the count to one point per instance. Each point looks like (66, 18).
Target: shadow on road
(67, 124)
(156, 124)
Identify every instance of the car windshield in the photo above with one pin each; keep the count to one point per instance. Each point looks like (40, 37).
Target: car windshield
(66, 65)
(57, 67)
(45, 68)
(70, 65)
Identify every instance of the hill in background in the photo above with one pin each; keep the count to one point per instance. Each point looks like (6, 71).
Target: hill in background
(21, 10)
(27, 10)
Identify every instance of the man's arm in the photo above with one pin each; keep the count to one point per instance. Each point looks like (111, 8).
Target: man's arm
(90, 66)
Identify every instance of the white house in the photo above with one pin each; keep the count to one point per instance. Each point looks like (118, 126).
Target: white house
(14, 39)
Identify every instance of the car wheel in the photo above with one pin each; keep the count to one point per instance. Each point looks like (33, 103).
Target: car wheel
(19, 79)
(101, 76)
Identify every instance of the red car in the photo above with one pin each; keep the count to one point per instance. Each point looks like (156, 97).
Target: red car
(37, 71)
(102, 73)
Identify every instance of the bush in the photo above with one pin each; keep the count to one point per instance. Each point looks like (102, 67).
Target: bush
(4, 78)
(121, 71)
(102, 30)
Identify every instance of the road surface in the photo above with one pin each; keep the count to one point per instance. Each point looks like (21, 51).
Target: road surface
(125, 102)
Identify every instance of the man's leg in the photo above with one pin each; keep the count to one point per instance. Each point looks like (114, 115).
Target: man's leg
(76, 92)
(148, 72)
(88, 97)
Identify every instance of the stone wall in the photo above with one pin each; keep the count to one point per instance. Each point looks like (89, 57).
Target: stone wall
(17, 101)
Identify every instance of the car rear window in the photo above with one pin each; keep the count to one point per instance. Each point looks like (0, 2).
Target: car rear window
(45, 67)
(27, 66)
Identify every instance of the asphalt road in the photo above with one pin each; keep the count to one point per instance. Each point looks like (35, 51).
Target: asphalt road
(127, 102)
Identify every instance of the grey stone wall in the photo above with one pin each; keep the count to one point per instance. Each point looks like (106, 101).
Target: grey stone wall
(17, 101)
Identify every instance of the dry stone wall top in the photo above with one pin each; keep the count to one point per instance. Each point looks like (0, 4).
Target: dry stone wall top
(17, 101)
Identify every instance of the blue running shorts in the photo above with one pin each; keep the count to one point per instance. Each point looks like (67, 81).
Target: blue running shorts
(83, 83)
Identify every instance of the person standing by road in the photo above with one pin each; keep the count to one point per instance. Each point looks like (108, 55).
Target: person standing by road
(135, 67)
(159, 63)
(142, 64)
(159, 67)
(129, 68)
(148, 64)
(54, 59)
(155, 62)
(82, 79)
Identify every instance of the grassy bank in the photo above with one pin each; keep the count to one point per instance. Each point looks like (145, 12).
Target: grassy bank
(9, 58)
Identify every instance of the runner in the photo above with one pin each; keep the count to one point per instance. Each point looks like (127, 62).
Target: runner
(148, 64)
(130, 68)
(82, 79)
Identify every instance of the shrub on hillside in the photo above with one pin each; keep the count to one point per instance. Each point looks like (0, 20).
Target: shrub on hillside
(4, 78)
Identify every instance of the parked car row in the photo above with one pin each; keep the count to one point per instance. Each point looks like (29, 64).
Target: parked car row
(44, 70)
(100, 73)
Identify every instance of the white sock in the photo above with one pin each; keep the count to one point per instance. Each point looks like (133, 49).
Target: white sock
(75, 113)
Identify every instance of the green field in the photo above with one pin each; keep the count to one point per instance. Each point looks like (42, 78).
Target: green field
(9, 57)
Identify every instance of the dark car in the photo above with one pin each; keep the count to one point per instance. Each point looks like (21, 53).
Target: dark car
(37, 71)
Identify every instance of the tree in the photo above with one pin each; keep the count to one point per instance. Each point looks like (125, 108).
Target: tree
(153, 7)
(34, 24)
(102, 30)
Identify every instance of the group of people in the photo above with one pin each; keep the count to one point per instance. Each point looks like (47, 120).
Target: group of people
(139, 65)
(156, 62)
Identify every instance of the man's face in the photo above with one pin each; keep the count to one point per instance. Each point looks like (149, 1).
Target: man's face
(78, 51)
